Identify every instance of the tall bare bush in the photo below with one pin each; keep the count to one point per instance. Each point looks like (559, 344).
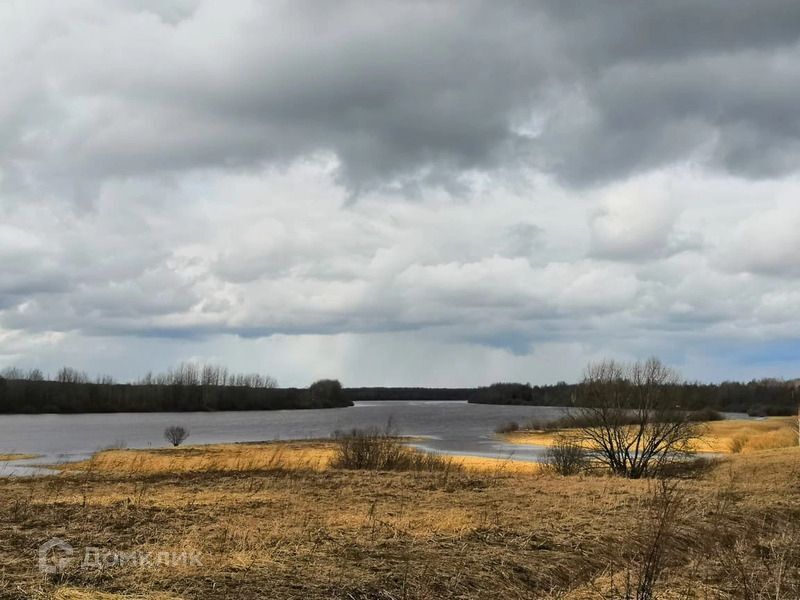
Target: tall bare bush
(566, 457)
(631, 420)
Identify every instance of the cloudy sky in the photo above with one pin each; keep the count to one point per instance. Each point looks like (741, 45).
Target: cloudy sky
(415, 192)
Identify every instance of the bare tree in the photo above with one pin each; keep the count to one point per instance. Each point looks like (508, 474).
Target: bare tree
(176, 435)
(70, 375)
(35, 375)
(630, 420)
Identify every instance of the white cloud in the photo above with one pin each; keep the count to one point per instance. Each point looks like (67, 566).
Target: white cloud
(635, 220)
(767, 242)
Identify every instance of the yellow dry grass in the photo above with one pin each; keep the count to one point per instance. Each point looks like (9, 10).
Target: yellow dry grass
(310, 455)
(534, 438)
(749, 435)
(721, 437)
(506, 466)
(9, 457)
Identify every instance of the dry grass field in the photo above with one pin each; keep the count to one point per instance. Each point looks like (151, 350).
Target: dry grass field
(276, 521)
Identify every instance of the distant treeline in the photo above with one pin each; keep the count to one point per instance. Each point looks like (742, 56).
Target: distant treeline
(766, 397)
(184, 374)
(188, 388)
(192, 387)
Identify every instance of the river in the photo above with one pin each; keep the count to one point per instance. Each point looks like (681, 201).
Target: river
(452, 427)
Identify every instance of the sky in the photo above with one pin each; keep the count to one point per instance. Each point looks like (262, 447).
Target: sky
(400, 192)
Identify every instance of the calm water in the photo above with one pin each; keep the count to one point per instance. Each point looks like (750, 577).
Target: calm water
(452, 427)
(449, 427)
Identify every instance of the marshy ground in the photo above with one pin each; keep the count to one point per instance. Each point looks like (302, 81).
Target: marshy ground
(276, 521)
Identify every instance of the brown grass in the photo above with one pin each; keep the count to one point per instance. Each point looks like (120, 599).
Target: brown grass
(313, 455)
(9, 457)
(268, 456)
(295, 529)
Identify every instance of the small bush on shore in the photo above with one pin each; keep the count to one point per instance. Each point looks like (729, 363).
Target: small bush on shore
(509, 427)
(378, 450)
(176, 435)
(542, 424)
(705, 415)
(566, 457)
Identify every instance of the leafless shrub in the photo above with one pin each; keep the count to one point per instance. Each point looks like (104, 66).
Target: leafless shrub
(705, 415)
(538, 424)
(566, 457)
(176, 435)
(654, 542)
(509, 427)
(379, 450)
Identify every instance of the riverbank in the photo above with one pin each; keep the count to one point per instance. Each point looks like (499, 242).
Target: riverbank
(718, 437)
(276, 517)
(449, 427)
(305, 455)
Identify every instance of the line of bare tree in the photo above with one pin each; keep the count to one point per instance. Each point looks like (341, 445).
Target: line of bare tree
(189, 387)
(210, 375)
(184, 374)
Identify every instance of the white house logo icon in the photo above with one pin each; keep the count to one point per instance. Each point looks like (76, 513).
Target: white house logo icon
(54, 556)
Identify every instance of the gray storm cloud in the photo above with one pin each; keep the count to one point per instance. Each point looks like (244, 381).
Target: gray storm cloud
(398, 91)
